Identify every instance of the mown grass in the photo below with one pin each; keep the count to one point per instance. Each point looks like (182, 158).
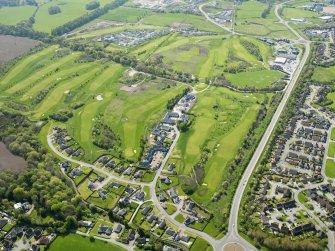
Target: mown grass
(126, 14)
(324, 74)
(258, 79)
(330, 168)
(249, 21)
(77, 242)
(222, 120)
(331, 149)
(14, 15)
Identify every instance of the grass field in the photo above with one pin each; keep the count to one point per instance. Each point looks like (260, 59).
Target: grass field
(77, 242)
(331, 149)
(211, 55)
(332, 135)
(133, 115)
(14, 15)
(249, 21)
(222, 120)
(330, 168)
(126, 14)
(324, 74)
(70, 9)
(258, 79)
(167, 19)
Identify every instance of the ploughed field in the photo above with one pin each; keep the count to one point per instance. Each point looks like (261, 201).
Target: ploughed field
(10, 162)
(12, 47)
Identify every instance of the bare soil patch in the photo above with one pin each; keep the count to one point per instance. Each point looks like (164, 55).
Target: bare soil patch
(329, 10)
(233, 247)
(12, 47)
(9, 161)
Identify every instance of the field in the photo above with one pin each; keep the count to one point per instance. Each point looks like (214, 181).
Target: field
(324, 74)
(14, 15)
(77, 242)
(210, 56)
(12, 47)
(130, 114)
(126, 14)
(223, 118)
(10, 162)
(168, 19)
(70, 9)
(258, 79)
(249, 21)
(330, 168)
(331, 150)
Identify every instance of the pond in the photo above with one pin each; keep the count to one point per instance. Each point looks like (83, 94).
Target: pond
(9, 161)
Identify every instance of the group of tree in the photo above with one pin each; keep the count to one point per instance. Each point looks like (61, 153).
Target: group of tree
(12, 3)
(62, 115)
(173, 101)
(267, 10)
(40, 183)
(252, 49)
(92, 5)
(54, 10)
(103, 136)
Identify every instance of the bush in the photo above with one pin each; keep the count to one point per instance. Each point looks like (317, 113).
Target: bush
(54, 10)
(92, 5)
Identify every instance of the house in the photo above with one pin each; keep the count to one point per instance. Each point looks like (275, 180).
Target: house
(189, 206)
(103, 194)
(152, 217)
(86, 224)
(117, 228)
(114, 184)
(131, 235)
(162, 224)
(141, 240)
(140, 195)
(185, 238)
(168, 248)
(165, 180)
(100, 178)
(3, 222)
(44, 240)
(38, 232)
(265, 221)
(146, 210)
(189, 220)
(170, 232)
(122, 212)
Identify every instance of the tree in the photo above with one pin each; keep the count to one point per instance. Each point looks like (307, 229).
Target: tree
(19, 194)
(71, 223)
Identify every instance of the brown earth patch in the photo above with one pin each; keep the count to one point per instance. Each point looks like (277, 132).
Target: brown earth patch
(233, 247)
(9, 161)
(12, 47)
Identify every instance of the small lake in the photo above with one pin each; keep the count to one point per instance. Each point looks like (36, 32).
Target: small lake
(9, 161)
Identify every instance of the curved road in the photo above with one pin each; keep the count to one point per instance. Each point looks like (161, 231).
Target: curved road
(232, 236)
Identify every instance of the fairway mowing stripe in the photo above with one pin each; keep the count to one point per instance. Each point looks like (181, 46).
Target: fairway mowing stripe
(41, 74)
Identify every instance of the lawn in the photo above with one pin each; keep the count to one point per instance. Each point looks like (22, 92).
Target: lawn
(77, 242)
(223, 117)
(13, 15)
(126, 14)
(201, 244)
(330, 168)
(167, 19)
(331, 149)
(324, 74)
(302, 198)
(170, 209)
(332, 135)
(289, 13)
(258, 79)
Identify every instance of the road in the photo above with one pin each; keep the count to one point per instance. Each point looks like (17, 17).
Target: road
(232, 235)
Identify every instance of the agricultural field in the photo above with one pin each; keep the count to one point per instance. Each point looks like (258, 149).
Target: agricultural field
(77, 242)
(168, 19)
(14, 15)
(249, 21)
(223, 117)
(126, 14)
(70, 9)
(12, 47)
